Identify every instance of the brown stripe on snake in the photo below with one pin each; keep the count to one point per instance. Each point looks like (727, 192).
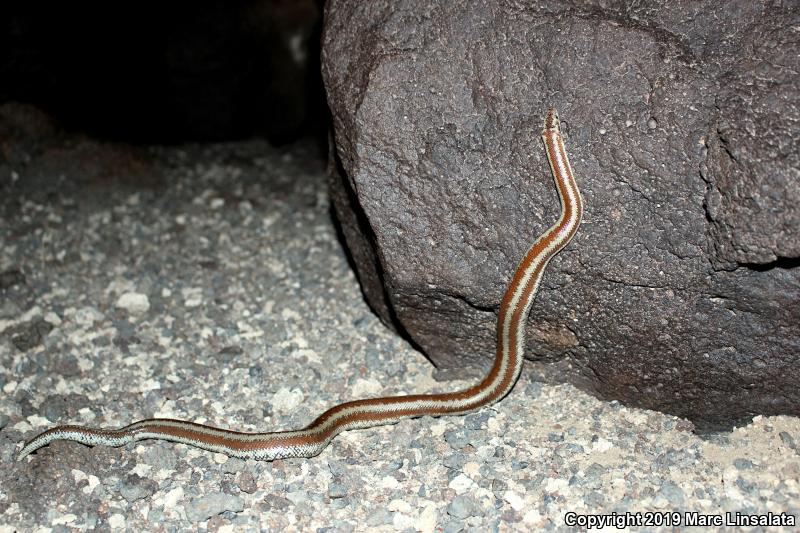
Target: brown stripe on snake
(311, 440)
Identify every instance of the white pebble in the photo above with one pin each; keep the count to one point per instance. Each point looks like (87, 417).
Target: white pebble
(514, 500)
(116, 521)
(461, 483)
(285, 400)
(135, 303)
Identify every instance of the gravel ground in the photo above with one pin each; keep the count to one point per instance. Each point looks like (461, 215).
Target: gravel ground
(221, 294)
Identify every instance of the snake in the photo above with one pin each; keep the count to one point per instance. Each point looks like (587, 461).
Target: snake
(358, 414)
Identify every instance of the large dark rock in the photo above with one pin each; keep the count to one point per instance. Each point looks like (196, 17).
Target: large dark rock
(680, 292)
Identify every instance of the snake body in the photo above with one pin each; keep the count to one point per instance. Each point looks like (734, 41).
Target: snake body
(311, 440)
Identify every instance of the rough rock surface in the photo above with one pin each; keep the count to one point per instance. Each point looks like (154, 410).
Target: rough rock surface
(680, 291)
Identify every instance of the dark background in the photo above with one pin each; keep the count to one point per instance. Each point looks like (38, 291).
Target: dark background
(168, 72)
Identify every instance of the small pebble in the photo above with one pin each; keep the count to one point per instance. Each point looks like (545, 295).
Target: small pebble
(246, 482)
(462, 506)
(135, 487)
(205, 507)
(337, 490)
(133, 302)
(673, 493)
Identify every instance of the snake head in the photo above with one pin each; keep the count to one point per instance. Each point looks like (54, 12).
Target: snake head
(551, 121)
